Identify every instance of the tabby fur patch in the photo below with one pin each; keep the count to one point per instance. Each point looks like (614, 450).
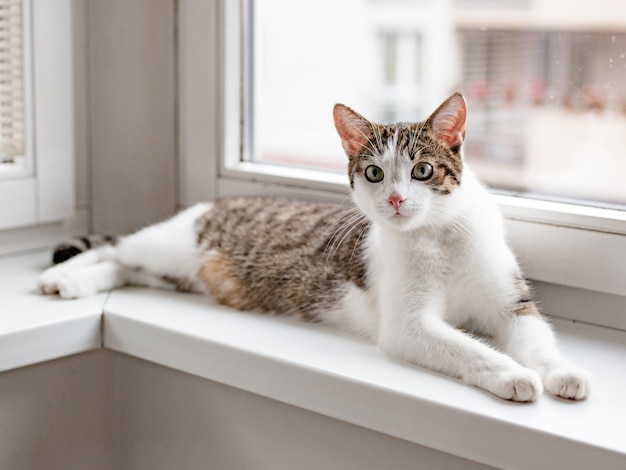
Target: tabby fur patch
(302, 271)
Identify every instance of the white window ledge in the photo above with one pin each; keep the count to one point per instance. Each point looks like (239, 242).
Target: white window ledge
(34, 328)
(326, 372)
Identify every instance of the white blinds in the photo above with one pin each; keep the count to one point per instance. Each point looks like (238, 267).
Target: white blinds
(11, 77)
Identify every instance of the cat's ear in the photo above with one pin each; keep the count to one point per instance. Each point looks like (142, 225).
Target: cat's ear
(448, 121)
(353, 129)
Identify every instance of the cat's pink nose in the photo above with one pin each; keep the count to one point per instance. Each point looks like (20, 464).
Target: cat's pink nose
(395, 200)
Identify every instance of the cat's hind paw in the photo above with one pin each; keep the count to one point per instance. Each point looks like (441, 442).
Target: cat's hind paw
(72, 286)
(521, 385)
(568, 382)
(48, 282)
(66, 284)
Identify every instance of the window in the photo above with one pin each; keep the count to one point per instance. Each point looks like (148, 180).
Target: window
(400, 81)
(571, 250)
(548, 109)
(530, 86)
(36, 114)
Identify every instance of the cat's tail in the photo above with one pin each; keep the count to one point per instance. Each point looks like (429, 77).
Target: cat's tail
(77, 245)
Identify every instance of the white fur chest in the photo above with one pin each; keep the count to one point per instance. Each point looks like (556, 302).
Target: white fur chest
(454, 273)
(419, 258)
(405, 270)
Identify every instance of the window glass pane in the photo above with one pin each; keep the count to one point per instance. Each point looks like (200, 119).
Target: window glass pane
(545, 84)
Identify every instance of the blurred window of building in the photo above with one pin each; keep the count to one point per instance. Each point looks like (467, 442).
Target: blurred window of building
(545, 84)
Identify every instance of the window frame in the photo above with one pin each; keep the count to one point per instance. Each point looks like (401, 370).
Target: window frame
(42, 190)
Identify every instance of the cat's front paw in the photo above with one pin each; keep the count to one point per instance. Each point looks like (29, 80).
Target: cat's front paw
(568, 382)
(523, 385)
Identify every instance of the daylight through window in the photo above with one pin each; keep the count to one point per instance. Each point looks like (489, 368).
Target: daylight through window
(545, 84)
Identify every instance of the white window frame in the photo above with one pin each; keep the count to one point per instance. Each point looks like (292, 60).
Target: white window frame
(569, 251)
(42, 191)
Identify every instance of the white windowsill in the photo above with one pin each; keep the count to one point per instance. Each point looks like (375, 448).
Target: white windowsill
(323, 371)
(34, 328)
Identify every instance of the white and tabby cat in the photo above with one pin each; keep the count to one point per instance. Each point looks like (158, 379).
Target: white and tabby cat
(417, 265)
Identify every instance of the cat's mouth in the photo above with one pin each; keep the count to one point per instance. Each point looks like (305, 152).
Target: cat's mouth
(394, 212)
(399, 218)
(403, 218)
(400, 212)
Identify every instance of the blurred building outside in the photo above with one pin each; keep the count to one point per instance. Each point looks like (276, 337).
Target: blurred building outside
(545, 83)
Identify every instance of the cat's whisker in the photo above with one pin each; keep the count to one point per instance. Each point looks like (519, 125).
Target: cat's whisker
(371, 147)
(344, 223)
(427, 147)
(339, 220)
(377, 134)
(416, 139)
(434, 231)
(339, 236)
(356, 244)
(461, 229)
(344, 230)
(453, 222)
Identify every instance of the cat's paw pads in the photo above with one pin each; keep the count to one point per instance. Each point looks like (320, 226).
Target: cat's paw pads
(522, 386)
(48, 282)
(568, 382)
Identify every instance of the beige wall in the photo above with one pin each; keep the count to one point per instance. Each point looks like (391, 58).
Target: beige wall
(147, 106)
(132, 111)
(57, 415)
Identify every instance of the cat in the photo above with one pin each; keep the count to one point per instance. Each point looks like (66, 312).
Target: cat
(418, 264)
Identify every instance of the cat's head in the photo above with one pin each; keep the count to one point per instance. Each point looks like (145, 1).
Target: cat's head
(403, 175)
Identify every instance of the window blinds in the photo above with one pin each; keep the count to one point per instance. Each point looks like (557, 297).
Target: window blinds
(11, 81)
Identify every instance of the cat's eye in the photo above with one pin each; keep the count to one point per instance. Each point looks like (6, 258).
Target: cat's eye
(422, 171)
(374, 174)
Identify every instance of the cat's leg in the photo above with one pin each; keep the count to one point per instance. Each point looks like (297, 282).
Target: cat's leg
(87, 280)
(425, 339)
(355, 313)
(48, 282)
(165, 255)
(530, 340)
(90, 280)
